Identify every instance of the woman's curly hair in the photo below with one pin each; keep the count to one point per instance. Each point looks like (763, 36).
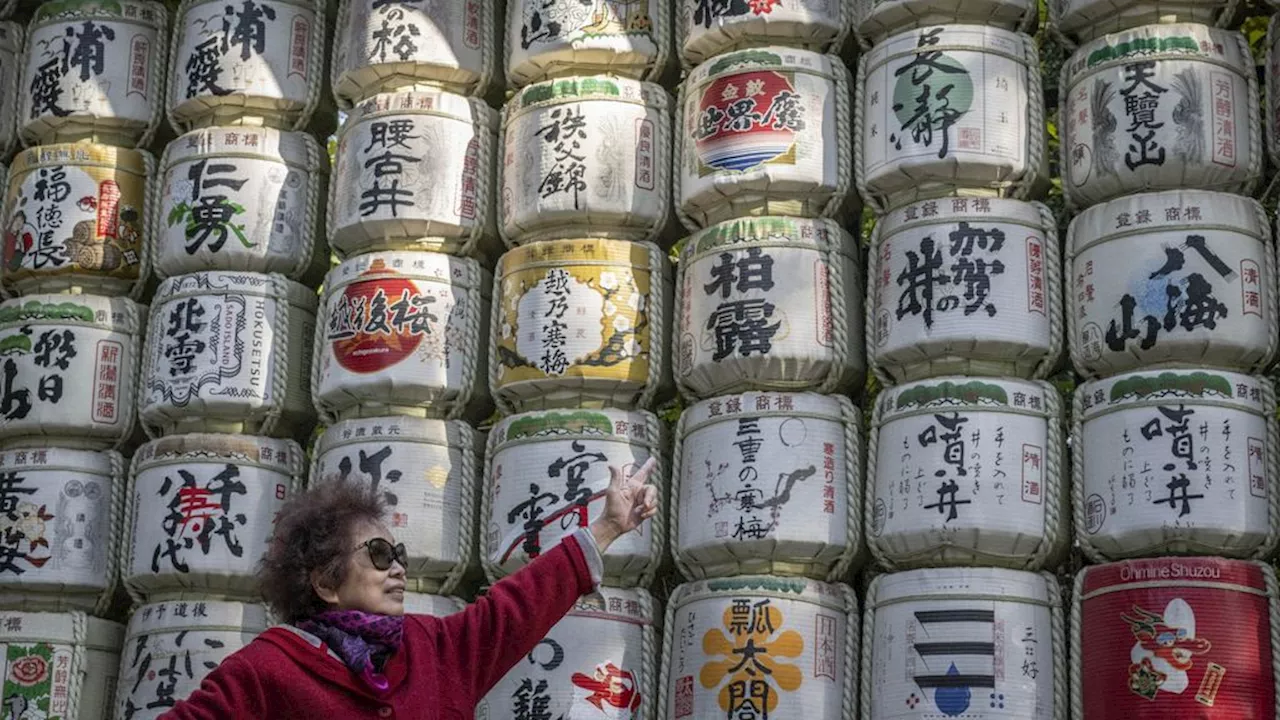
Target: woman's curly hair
(313, 532)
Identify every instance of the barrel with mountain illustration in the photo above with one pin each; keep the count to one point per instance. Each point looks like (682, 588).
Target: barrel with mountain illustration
(554, 38)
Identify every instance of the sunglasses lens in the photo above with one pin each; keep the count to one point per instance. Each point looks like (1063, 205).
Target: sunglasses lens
(380, 553)
(401, 557)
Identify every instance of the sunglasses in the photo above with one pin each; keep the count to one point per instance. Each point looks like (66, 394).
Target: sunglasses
(382, 553)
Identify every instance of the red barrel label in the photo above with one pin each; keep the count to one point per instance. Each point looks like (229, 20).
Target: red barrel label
(379, 322)
(1176, 638)
(748, 119)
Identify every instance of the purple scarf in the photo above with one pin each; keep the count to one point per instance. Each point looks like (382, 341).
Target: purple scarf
(361, 639)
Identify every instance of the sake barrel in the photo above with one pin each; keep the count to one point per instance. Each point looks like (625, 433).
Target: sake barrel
(876, 20)
(950, 110)
(74, 217)
(229, 352)
(739, 328)
(171, 646)
(586, 156)
(93, 71)
(553, 38)
(1175, 462)
(765, 132)
(942, 483)
(1272, 112)
(70, 371)
(964, 642)
(61, 529)
(262, 63)
(546, 474)
(414, 172)
(1089, 19)
(599, 659)
(201, 510)
(403, 333)
(59, 665)
(241, 199)
(760, 646)
(6, 7)
(383, 46)
(706, 27)
(950, 297)
(10, 75)
(1159, 107)
(434, 605)
(755, 492)
(425, 471)
(1174, 638)
(1180, 277)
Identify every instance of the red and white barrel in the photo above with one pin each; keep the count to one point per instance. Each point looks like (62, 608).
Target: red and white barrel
(201, 509)
(545, 476)
(599, 661)
(768, 483)
(770, 303)
(10, 79)
(74, 219)
(968, 471)
(580, 323)
(1192, 283)
(259, 64)
(876, 20)
(553, 38)
(950, 110)
(241, 198)
(415, 172)
(171, 646)
(384, 46)
(1088, 19)
(1169, 462)
(586, 156)
(402, 333)
(426, 472)
(764, 132)
(434, 605)
(229, 352)
(69, 373)
(1169, 638)
(705, 29)
(59, 665)
(965, 286)
(1159, 107)
(62, 529)
(964, 642)
(93, 71)
(758, 646)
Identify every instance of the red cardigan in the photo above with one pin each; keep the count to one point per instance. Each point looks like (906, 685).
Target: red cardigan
(444, 667)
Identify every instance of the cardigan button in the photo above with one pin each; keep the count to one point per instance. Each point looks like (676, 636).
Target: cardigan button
(384, 711)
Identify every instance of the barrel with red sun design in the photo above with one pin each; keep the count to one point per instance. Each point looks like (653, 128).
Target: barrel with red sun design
(402, 333)
(1172, 638)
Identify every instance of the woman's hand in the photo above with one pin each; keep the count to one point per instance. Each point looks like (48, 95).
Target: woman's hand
(627, 503)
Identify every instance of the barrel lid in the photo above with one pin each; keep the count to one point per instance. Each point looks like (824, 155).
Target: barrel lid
(1024, 397)
(783, 59)
(79, 154)
(174, 616)
(217, 282)
(591, 87)
(954, 37)
(820, 233)
(422, 100)
(594, 251)
(950, 210)
(619, 425)
(139, 11)
(962, 582)
(10, 37)
(56, 460)
(1188, 41)
(423, 266)
(292, 148)
(1135, 389)
(114, 314)
(271, 453)
(62, 628)
(631, 605)
(1171, 210)
(397, 428)
(727, 408)
(835, 596)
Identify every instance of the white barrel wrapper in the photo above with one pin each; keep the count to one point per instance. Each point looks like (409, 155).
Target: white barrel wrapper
(11, 62)
(705, 29)
(553, 38)
(876, 20)
(1088, 19)
(59, 665)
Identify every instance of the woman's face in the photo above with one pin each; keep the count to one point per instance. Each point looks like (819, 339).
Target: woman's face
(367, 588)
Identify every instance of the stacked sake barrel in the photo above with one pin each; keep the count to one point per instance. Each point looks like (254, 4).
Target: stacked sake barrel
(1172, 321)
(965, 501)
(766, 486)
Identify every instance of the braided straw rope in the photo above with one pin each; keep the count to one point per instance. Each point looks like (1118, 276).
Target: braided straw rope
(132, 390)
(678, 158)
(849, 680)
(1272, 91)
(1273, 605)
(678, 327)
(315, 61)
(157, 74)
(344, 31)
(664, 162)
(115, 532)
(678, 597)
(879, 549)
(280, 360)
(319, 352)
(664, 38)
(175, 78)
(484, 122)
(842, 344)
(512, 17)
(676, 501)
(1076, 679)
(859, 154)
(648, 652)
(1256, 150)
(653, 443)
(868, 644)
(130, 534)
(1077, 474)
(145, 367)
(1061, 686)
(844, 153)
(659, 311)
(1056, 536)
(1074, 350)
(871, 308)
(311, 212)
(501, 398)
(23, 100)
(492, 569)
(851, 420)
(474, 332)
(1272, 303)
(467, 523)
(1272, 461)
(1037, 163)
(1054, 288)
(155, 220)
(79, 662)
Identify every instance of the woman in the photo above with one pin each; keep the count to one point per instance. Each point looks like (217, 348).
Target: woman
(335, 576)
